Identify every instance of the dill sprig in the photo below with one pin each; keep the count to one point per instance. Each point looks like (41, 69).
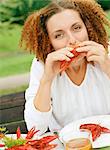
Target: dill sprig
(10, 142)
(2, 129)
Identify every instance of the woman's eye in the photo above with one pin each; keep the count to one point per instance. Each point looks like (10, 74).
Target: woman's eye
(77, 28)
(58, 36)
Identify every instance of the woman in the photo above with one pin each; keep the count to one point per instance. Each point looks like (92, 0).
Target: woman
(55, 97)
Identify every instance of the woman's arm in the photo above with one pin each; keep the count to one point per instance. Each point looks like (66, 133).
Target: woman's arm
(34, 117)
(38, 108)
(42, 100)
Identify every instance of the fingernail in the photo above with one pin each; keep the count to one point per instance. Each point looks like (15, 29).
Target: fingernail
(77, 49)
(72, 54)
(68, 59)
(109, 43)
(70, 48)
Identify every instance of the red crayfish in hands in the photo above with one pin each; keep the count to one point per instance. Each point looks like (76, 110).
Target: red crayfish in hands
(28, 143)
(65, 64)
(95, 129)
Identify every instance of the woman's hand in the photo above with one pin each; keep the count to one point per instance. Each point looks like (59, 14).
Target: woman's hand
(96, 53)
(53, 61)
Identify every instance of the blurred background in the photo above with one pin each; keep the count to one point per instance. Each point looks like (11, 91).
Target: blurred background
(15, 62)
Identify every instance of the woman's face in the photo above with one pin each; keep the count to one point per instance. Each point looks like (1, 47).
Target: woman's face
(66, 29)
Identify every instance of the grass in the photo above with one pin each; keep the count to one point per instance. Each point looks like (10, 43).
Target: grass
(108, 29)
(13, 60)
(9, 38)
(20, 63)
(108, 14)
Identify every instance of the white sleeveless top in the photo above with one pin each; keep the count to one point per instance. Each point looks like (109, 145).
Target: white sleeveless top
(69, 101)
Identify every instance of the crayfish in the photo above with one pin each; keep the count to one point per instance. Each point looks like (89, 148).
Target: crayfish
(64, 64)
(28, 143)
(95, 129)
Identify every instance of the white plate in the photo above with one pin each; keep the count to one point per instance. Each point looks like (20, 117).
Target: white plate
(103, 120)
(14, 136)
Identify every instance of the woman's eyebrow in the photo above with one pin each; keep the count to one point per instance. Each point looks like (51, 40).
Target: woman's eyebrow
(59, 30)
(75, 23)
(56, 31)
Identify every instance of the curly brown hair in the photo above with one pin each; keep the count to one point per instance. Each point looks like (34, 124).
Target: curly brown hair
(34, 34)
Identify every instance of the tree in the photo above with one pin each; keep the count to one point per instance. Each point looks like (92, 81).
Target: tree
(104, 3)
(16, 11)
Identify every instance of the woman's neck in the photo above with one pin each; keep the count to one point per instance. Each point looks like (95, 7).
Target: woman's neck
(77, 73)
(78, 67)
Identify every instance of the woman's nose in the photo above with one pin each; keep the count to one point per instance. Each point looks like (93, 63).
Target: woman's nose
(71, 40)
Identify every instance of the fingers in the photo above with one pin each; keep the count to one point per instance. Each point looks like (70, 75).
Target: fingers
(62, 57)
(92, 50)
(88, 43)
(95, 49)
(96, 52)
(95, 58)
(65, 53)
(59, 57)
(68, 48)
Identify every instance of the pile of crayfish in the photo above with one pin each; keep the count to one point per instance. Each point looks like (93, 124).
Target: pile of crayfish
(95, 129)
(28, 143)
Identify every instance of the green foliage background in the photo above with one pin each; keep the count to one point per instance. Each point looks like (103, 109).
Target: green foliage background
(16, 11)
(13, 13)
(104, 3)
